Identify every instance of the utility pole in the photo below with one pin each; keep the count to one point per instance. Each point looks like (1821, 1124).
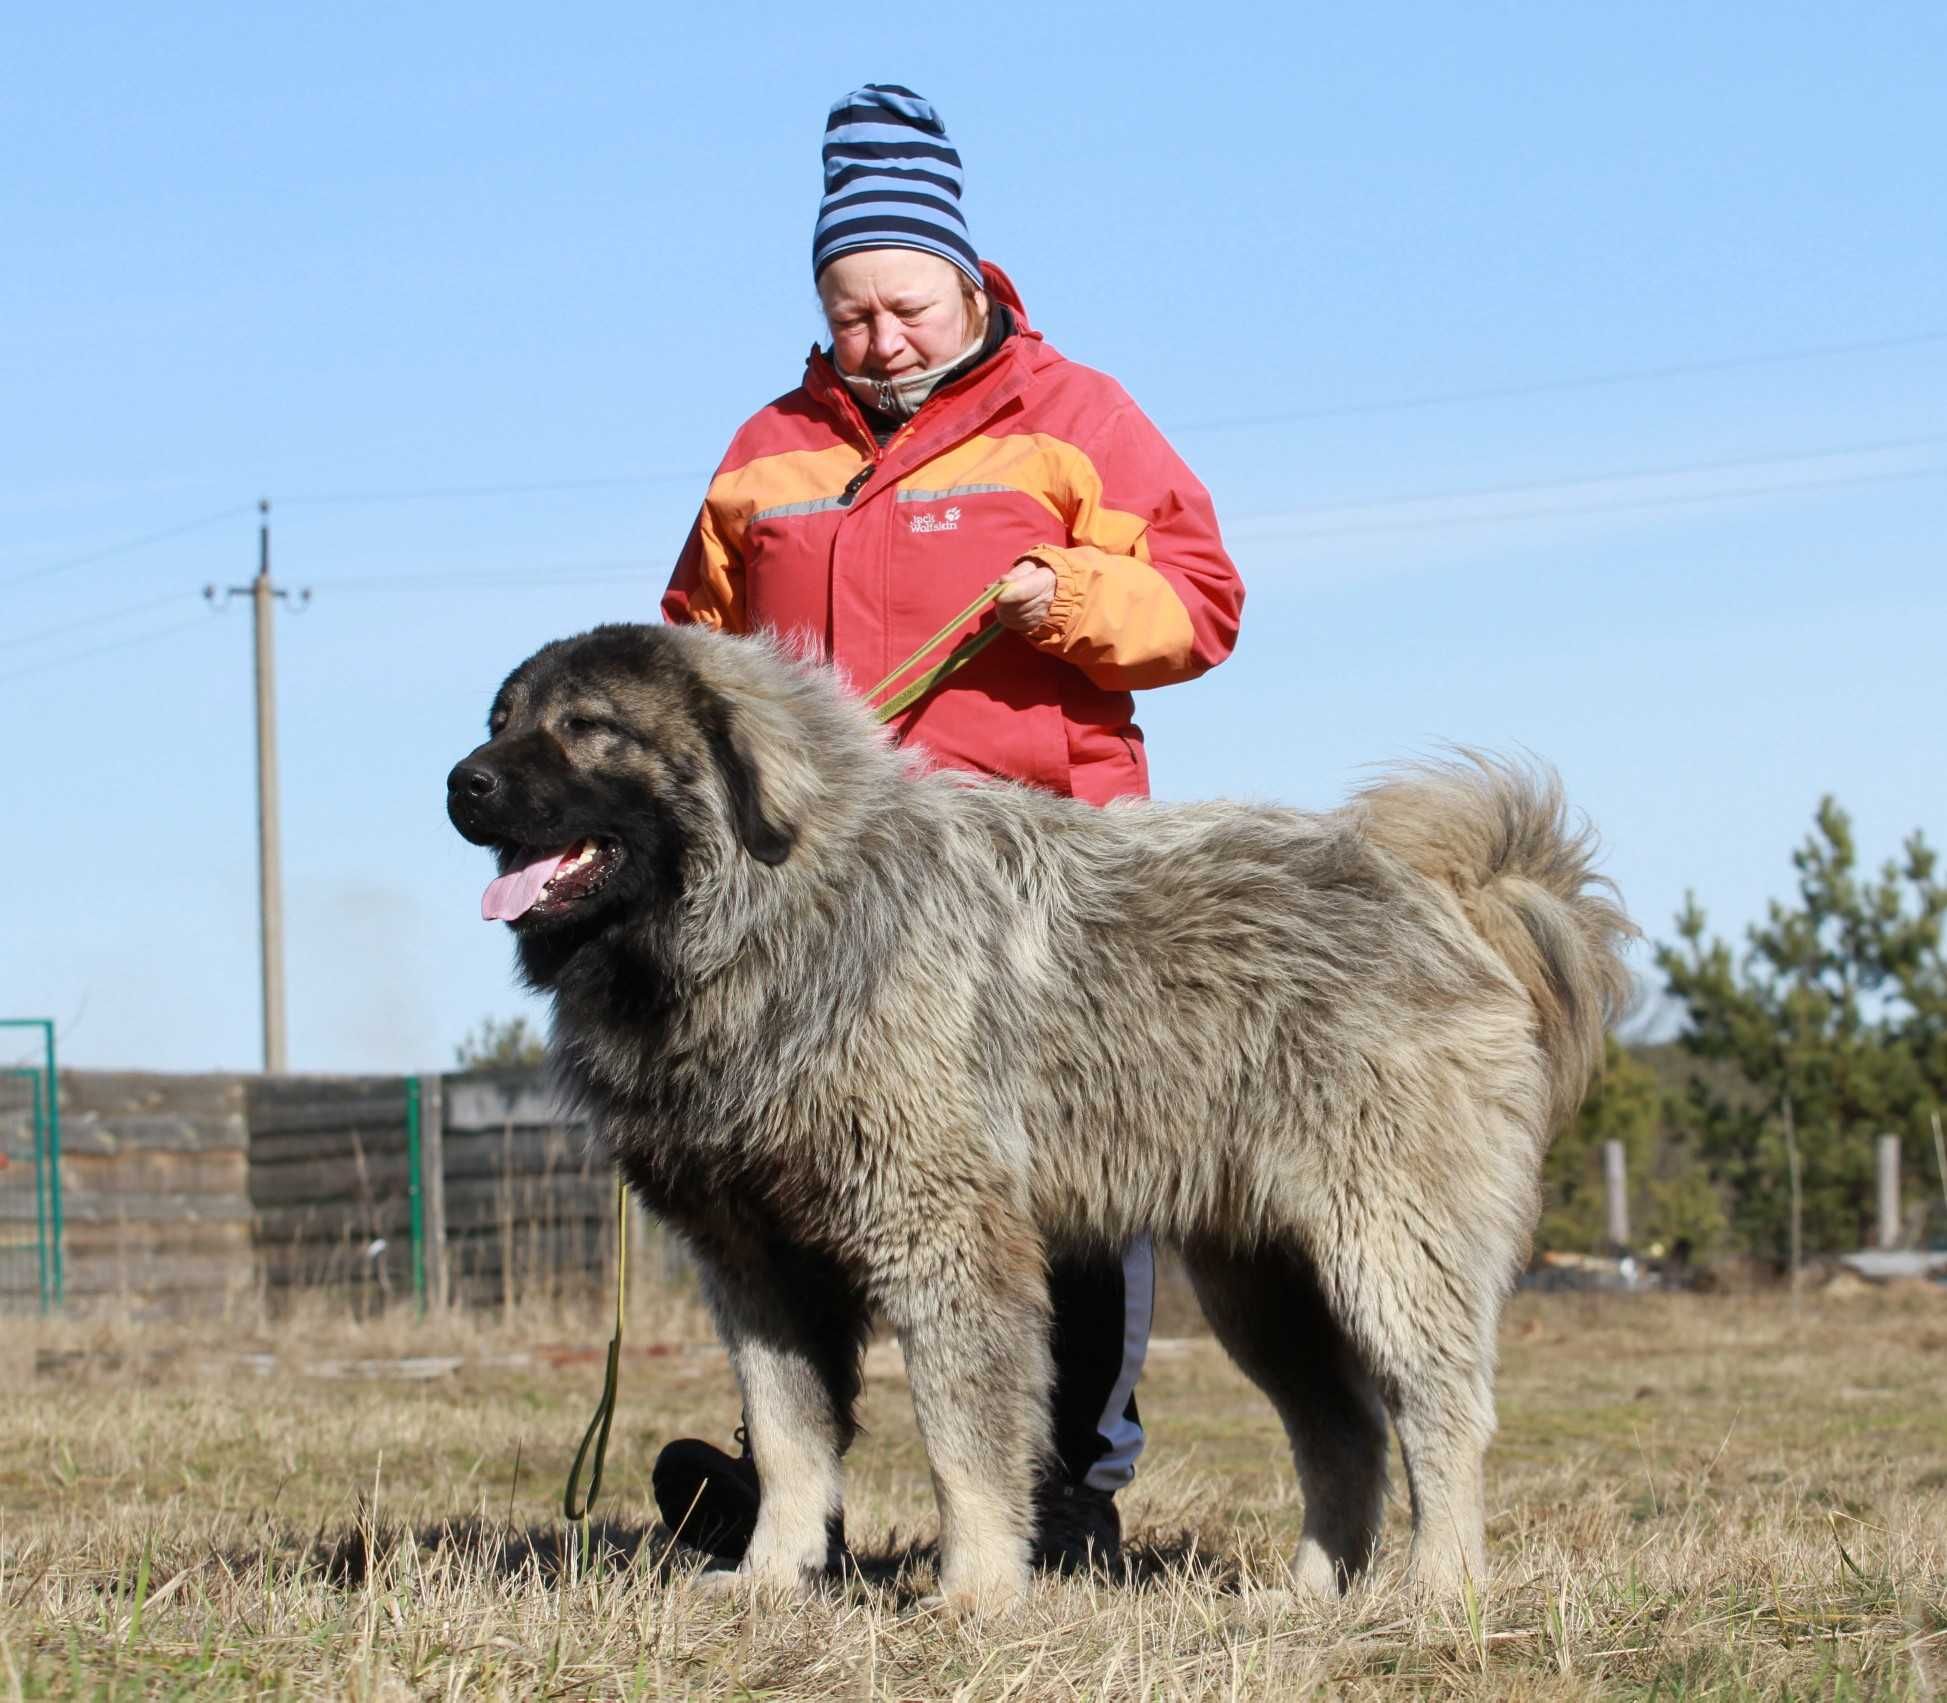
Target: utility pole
(270, 871)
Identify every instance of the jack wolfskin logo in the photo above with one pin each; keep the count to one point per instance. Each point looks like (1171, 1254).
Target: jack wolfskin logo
(929, 522)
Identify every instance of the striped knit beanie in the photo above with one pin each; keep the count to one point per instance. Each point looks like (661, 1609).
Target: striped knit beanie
(892, 180)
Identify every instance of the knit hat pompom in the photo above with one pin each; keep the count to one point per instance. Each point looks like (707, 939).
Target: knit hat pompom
(892, 180)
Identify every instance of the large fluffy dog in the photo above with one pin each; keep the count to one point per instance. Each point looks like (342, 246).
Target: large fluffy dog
(873, 1037)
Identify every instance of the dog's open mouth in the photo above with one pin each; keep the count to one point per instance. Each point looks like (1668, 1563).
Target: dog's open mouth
(545, 884)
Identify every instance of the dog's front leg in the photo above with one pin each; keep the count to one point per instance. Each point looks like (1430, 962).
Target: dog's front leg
(974, 1326)
(794, 1338)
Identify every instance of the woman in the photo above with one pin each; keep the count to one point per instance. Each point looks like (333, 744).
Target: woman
(938, 445)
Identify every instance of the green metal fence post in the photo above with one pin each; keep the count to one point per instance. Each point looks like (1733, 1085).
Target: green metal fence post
(40, 1192)
(54, 1171)
(415, 1195)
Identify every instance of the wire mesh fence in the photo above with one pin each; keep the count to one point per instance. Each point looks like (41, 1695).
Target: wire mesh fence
(27, 1182)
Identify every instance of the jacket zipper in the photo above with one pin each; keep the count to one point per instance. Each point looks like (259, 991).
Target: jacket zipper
(846, 405)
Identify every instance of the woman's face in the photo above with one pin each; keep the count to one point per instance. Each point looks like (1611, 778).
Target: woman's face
(893, 311)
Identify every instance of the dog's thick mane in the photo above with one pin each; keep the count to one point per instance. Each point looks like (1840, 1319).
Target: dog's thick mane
(820, 764)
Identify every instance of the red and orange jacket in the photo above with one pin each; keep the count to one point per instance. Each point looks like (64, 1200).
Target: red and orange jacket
(809, 528)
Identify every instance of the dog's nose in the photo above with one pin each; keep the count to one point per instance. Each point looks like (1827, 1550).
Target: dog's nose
(472, 780)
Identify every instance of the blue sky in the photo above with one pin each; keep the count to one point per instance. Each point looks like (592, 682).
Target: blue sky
(1570, 378)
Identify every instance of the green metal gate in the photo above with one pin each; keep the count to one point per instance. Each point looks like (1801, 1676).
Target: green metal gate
(30, 1179)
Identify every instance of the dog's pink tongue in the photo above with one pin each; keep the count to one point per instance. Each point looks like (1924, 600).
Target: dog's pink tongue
(513, 894)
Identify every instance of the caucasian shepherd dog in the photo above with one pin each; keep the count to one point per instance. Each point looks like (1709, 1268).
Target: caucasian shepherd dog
(871, 1038)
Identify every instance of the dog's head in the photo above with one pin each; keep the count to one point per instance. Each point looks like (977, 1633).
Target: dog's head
(608, 757)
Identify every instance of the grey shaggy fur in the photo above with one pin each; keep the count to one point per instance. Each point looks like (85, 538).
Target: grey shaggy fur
(872, 1038)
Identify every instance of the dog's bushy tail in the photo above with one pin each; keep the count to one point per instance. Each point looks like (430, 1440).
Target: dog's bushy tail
(1498, 835)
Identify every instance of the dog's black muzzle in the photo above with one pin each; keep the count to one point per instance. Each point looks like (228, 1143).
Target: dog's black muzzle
(493, 799)
(475, 800)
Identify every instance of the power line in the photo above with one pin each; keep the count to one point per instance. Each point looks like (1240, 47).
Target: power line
(1673, 470)
(13, 640)
(1540, 387)
(1431, 524)
(102, 650)
(596, 573)
(126, 545)
(567, 575)
(364, 582)
(1453, 398)
(1557, 386)
(439, 493)
(1636, 375)
(1639, 504)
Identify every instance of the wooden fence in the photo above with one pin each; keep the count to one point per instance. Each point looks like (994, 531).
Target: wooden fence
(154, 1192)
(330, 1185)
(529, 1209)
(192, 1194)
(514, 1205)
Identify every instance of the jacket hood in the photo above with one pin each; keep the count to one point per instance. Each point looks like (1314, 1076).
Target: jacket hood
(1001, 288)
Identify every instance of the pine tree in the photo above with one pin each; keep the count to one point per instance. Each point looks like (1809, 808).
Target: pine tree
(1839, 1007)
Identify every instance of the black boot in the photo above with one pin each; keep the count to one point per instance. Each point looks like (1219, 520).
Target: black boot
(709, 1499)
(1076, 1530)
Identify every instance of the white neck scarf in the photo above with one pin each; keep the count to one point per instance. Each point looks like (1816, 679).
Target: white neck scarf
(899, 397)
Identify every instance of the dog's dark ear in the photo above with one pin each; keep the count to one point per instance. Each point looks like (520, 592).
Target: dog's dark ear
(765, 840)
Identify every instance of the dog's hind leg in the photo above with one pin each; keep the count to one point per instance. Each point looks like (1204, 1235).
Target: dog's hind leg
(795, 1329)
(1443, 1433)
(1440, 1390)
(972, 1316)
(1267, 1310)
(1422, 1295)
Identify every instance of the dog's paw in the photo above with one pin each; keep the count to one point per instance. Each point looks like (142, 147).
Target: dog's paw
(1443, 1573)
(964, 1605)
(772, 1584)
(1315, 1574)
(968, 1600)
(1274, 1602)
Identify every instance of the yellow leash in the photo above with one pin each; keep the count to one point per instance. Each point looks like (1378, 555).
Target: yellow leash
(574, 1505)
(952, 663)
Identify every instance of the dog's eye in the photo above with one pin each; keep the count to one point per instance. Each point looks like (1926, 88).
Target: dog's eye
(581, 726)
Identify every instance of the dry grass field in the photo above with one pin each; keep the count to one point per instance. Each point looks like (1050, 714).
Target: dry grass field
(1689, 1497)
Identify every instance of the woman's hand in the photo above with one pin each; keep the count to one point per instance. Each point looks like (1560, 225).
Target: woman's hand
(1027, 594)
